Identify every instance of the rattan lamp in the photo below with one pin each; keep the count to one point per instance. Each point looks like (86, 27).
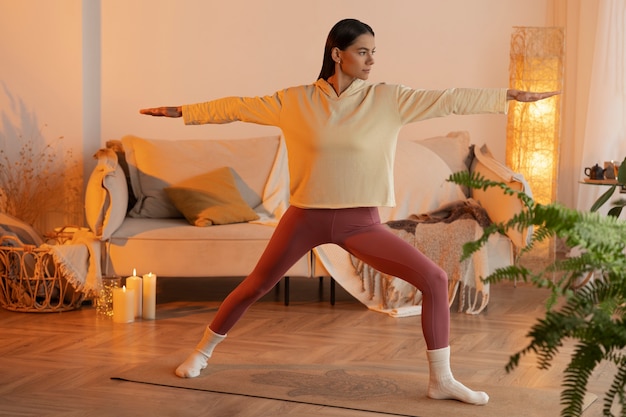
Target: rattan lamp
(533, 129)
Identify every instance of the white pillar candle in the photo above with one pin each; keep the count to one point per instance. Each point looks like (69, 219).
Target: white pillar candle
(135, 283)
(123, 305)
(149, 296)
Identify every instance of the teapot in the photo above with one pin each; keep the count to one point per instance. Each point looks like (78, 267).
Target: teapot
(595, 172)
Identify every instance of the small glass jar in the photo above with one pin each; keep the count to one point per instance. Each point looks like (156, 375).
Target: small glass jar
(104, 301)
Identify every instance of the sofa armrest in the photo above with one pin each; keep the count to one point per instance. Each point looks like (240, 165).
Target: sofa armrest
(499, 206)
(106, 196)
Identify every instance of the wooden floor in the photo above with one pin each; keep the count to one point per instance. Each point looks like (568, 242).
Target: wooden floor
(60, 364)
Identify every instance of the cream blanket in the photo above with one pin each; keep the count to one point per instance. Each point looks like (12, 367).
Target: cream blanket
(79, 261)
(440, 235)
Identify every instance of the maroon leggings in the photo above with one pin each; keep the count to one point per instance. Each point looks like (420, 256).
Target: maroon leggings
(358, 231)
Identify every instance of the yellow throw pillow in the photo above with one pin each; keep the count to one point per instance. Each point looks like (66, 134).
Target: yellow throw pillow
(211, 199)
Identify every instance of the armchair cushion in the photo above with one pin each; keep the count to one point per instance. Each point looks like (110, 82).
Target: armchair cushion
(499, 206)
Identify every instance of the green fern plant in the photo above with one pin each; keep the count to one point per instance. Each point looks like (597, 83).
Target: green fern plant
(594, 316)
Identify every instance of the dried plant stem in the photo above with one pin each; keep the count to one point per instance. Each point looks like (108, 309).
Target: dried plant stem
(34, 181)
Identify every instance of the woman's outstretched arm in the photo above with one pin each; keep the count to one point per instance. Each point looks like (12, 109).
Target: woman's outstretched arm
(528, 96)
(163, 111)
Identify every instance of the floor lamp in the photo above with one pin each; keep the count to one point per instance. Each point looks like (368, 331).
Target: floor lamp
(533, 129)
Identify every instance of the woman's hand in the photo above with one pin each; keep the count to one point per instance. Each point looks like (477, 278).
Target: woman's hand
(163, 111)
(528, 96)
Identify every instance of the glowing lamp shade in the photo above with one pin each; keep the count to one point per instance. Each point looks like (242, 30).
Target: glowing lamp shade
(533, 129)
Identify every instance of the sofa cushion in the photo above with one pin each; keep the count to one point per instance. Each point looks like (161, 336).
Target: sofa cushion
(155, 164)
(231, 250)
(499, 206)
(107, 183)
(211, 198)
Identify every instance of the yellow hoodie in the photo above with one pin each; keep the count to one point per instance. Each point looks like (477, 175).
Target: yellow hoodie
(341, 149)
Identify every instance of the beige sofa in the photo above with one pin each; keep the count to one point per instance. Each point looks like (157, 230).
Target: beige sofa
(139, 187)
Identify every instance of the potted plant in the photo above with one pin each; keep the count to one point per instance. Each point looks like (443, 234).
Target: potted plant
(594, 316)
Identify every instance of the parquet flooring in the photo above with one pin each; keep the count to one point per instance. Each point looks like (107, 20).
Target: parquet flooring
(60, 364)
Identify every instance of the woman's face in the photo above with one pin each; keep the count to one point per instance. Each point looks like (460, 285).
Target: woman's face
(356, 60)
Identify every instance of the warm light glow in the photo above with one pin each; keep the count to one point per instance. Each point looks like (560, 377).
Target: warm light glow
(542, 111)
(533, 129)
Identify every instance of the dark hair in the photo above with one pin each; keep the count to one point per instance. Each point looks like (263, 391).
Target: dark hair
(341, 36)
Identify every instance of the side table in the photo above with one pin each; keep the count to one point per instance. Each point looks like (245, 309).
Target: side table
(622, 188)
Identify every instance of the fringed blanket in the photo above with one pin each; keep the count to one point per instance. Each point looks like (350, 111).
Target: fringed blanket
(79, 262)
(440, 235)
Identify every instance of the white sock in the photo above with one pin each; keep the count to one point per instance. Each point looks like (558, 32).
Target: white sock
(198, 359)
(443, 386)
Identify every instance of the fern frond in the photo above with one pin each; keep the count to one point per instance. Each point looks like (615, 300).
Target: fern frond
(584, 359)
(470, 248)
(477, 181)
(509, 273)
(617, 388)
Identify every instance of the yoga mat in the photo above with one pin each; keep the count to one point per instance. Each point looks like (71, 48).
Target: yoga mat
(348, 387)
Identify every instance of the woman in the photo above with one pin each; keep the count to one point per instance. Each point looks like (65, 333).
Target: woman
(341, 135)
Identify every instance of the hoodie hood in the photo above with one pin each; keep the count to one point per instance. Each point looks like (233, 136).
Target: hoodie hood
(356, 85)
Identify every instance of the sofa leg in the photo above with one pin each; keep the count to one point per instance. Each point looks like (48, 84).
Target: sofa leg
(286, 291)
(321, 288)
(277, 291)
(332, 290)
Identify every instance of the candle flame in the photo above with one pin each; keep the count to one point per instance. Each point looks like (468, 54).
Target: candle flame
(134, 272)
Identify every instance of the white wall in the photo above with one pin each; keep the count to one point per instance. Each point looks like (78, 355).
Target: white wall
(579, 18)
(85, 67)
(40, 86)
(41, 66)
(155, 53)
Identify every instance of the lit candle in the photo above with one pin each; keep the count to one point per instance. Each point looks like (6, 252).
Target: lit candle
(123, 305)
(135, 283)
(149, 296)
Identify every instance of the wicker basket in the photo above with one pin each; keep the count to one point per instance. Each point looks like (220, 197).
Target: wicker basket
(30, 281)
